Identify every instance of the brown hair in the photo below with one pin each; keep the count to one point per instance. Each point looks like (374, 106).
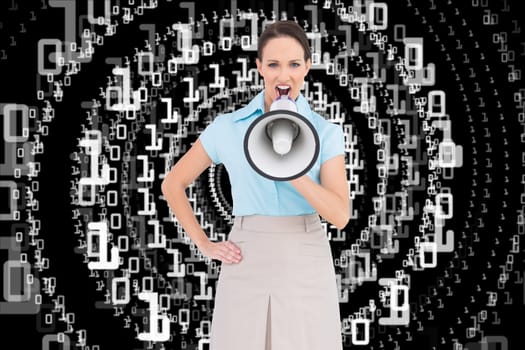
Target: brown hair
(284, 28)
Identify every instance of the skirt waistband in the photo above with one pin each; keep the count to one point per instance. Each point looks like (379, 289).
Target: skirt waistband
(264, 223)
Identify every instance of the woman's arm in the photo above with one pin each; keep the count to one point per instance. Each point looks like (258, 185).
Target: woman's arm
(181, 175)
(331, 198)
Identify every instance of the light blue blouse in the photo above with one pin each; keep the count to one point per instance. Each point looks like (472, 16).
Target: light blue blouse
(252, 193)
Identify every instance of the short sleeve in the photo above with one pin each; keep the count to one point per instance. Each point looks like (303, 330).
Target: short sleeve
(209, 138)
(332, 143)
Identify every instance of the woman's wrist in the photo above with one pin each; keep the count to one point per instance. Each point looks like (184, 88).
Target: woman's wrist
(299, 180)
(202, 242)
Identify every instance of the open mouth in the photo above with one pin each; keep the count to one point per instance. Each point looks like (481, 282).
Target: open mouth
(283, 90)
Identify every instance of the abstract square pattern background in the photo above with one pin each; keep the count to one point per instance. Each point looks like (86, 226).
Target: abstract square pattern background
(100, 98)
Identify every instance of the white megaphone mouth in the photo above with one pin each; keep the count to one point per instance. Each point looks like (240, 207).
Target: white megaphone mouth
(281, 144)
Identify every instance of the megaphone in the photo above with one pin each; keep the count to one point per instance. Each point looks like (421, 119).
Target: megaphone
(281, 144)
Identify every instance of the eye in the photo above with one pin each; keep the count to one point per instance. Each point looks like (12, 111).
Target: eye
(295, 64)
(272, 65)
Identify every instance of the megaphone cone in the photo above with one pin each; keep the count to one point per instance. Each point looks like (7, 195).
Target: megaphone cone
(281, 144)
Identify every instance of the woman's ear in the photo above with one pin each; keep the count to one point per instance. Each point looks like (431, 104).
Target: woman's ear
(259, 66)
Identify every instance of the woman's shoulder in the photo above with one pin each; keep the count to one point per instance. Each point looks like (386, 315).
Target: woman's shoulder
(230, 117)
(223, 118)
(322, 122)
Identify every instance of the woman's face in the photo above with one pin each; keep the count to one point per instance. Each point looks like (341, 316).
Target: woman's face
(283, 68)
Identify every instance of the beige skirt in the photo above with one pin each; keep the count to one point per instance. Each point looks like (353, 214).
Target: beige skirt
(283, 294)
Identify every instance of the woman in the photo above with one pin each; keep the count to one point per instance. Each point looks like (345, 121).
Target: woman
(277, 287)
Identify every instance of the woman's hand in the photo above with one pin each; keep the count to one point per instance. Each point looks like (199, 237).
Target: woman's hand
(226, 252)
(331, 198)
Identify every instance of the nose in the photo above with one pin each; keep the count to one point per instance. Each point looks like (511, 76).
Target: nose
(284, 75)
